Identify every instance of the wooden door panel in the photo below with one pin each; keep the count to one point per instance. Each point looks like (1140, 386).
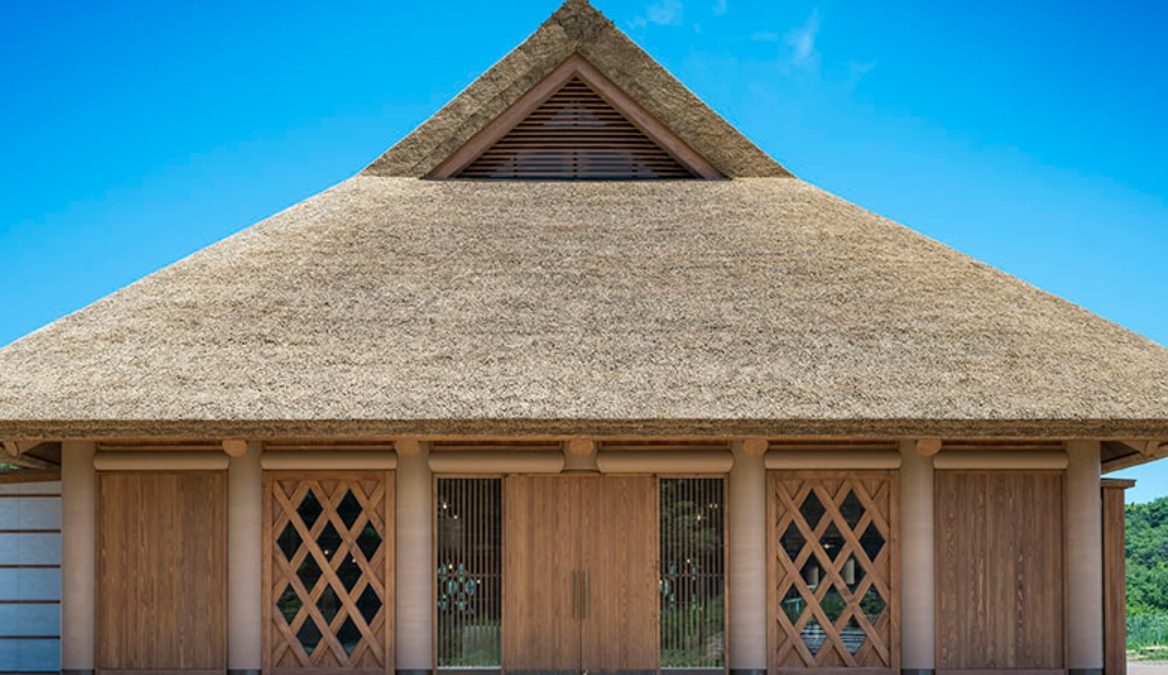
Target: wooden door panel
(999, 570)
(618, 525)
(162, 574)
(328, 572)
(540, 560)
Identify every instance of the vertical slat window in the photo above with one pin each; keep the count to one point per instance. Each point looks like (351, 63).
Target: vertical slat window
(692, 583)
(576, 135)
(470, 572)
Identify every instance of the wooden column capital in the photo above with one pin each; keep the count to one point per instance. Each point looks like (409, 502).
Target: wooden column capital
(580, 447)
(927, 447)
(755, 447)
(235, 447)
(408, 447)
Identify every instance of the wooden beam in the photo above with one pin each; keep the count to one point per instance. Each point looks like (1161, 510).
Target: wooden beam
(1133, 445)
(17, 448)
(1149, 448)
(30, 462)
(7, 477)
(1135, 459)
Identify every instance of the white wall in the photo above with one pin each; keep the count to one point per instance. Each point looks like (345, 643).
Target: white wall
(30, 574)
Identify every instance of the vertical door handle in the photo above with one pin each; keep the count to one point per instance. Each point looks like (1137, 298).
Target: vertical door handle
(576, 610)
(587, 596)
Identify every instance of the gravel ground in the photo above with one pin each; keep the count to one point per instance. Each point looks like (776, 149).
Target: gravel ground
(1147, 667)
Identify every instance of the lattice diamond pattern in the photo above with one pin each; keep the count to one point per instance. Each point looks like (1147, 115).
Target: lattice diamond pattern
(328, 572)
(832, 570)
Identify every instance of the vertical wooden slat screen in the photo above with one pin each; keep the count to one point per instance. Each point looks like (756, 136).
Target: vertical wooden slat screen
(692, 567)
(469, 580)
(576, 135)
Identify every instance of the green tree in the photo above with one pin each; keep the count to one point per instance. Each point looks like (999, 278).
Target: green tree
(1147, 558)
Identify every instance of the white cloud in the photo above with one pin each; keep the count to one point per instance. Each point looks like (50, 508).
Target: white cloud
(720, 7)
(661, 13)
(857, 71)
(801, 41)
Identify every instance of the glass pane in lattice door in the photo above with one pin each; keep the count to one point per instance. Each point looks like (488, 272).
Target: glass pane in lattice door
(831, 571)
(328, 572)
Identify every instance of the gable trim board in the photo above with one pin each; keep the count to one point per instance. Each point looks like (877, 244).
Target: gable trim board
(575, 67)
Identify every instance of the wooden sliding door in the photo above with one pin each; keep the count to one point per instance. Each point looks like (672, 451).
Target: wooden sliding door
(832, 591)
(999, 570)
(328, 603)
(580, 587)
(162, 572)
(619, 561)
(541, 583)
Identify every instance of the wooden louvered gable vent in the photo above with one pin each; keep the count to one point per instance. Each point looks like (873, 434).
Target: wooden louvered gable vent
(576, 135)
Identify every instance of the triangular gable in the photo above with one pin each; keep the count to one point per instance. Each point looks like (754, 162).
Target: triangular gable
(575, 124)
(577, 29)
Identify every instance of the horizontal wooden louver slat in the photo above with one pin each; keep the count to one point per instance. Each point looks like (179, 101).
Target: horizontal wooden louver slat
(576, 135)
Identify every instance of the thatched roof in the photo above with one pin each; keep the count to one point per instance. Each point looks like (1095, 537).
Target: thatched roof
(758, 305)
(576, 28)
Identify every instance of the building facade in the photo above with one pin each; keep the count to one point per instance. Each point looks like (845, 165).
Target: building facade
(575, 378)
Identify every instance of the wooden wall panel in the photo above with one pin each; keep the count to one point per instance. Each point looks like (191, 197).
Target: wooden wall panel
(1114, 581)
(999, 570)
(162, 571)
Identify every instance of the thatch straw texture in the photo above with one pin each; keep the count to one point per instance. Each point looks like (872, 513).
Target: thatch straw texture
(397, 305)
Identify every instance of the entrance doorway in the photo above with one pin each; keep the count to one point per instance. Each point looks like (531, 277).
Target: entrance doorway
(574, 573)
(328, 569)
(581, 585)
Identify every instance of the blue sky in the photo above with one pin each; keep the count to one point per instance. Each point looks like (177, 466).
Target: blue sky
(1029, 135)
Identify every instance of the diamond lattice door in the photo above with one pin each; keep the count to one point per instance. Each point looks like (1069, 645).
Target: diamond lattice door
(328, 572)
(831, 564)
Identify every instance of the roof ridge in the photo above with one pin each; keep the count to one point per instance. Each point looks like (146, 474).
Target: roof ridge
(576, 28)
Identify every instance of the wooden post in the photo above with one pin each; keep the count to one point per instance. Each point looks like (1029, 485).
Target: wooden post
(1084, 560)
(414, 550)
(245, 523)
(917, 569)
(1114, 575)
(748, 564)
(78, 557)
